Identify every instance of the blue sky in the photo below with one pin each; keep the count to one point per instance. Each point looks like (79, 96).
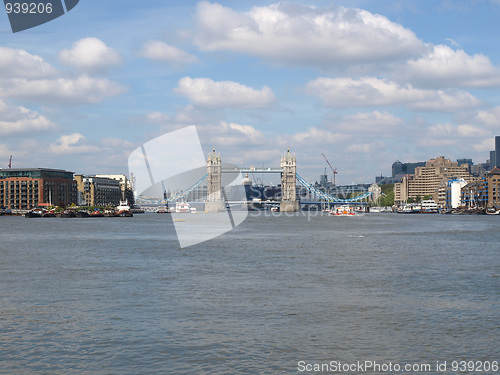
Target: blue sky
(364, 82)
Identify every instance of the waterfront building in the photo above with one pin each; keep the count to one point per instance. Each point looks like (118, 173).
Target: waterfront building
(479, 170)
(125, 186)
(98, 191)
(493, 180)
(428, 178)
(475, 194)
(454, 193)
(497, 153)
(441, 194)
(27, 188)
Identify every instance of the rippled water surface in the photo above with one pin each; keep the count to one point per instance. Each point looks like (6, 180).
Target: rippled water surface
(119, 296)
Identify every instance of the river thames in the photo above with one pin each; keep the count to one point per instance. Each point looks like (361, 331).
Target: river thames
(277, 295)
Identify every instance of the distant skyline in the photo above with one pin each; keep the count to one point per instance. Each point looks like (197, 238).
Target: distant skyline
(364, 82)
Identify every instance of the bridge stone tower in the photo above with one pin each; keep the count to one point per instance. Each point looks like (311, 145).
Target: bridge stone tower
(289, 201)
(215, 201)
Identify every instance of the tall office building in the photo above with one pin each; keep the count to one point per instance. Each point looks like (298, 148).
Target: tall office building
(492, 160)
(427, 180)
(497, 152)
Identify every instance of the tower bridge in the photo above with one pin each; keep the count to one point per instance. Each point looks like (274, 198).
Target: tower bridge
(216, 200)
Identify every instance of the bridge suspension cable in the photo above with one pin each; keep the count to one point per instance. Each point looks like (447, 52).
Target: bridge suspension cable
(328, 197)
(178, 196)
(182, 194)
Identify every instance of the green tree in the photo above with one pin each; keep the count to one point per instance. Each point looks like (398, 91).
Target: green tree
(387, 198)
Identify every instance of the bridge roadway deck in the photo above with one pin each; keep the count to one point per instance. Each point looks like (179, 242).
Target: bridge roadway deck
(252, 170)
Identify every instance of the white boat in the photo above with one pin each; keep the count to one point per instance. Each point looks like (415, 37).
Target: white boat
(492, 211)
(343, 210)
(123, 206)
(182, 207)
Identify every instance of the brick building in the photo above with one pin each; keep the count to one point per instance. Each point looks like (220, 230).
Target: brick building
(27, 188)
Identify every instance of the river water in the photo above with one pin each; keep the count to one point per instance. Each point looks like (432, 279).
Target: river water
(277, 295)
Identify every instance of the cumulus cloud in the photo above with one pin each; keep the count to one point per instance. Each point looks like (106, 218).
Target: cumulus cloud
(316, 135)
(367, 123)
(157, 117)
(16, 120)
(4, 151)
(446, 67)
(62, 91)
(461, 136)
(73, 144)
(369, 91)
(207, 93)
(307, 35)
(236, 134)
(164, 53)
(29, 77)
(90, 55)
(18, 62)
(490, 118)
(366, 148)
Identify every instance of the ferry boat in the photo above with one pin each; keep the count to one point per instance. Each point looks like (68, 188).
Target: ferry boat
(343, 210)
(429, 207)
(182, 207)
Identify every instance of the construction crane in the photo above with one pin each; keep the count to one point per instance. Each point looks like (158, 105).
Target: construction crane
(333, 170)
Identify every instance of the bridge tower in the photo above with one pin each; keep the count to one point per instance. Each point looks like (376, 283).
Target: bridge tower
(289, 201)
(215, 201)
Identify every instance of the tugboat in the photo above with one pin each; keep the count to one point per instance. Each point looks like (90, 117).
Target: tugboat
(123, 210)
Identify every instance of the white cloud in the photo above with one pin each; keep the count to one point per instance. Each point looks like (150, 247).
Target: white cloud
(157, 117)
(366, 148)
(484, 146)
(161, 52)
(369, 91)
(90, 55)
(490, 118)
(20, 120)
(306, 35)
(4, 153)
(207, 93)
(27, 77)
(61, 91)
(461, 137)
(367, 123)
(446, 67)
(471, 131)
(73, 144)
(317, 135)
(235, 134)
(19, 63)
